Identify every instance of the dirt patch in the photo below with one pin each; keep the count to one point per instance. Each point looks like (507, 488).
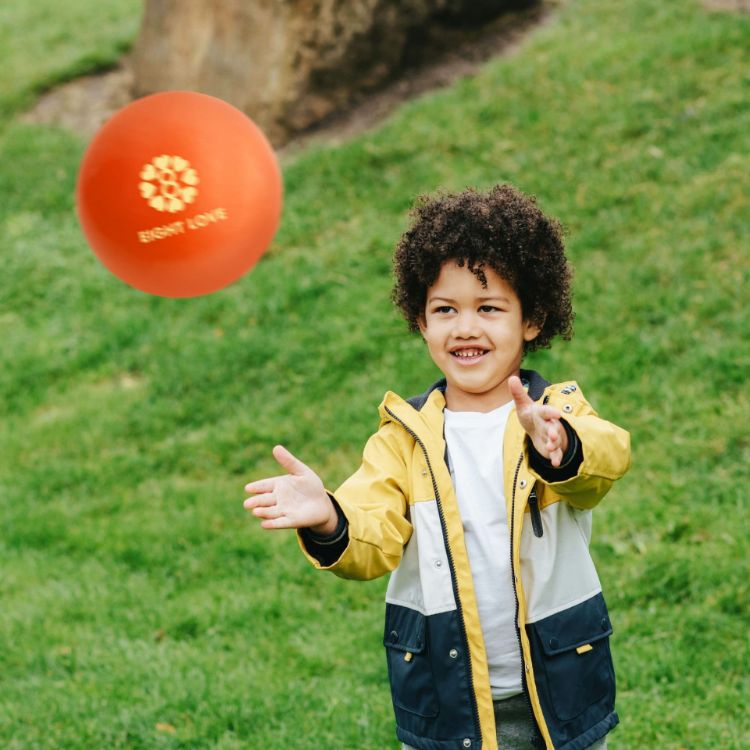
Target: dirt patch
(84, 104)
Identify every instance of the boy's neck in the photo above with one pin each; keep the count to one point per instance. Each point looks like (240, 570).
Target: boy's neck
(457, 400)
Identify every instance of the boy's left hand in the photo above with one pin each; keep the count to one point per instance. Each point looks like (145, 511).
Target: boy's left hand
(541, 422)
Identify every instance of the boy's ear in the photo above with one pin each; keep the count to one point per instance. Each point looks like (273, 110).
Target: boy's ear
(422, 323)
(530, 330)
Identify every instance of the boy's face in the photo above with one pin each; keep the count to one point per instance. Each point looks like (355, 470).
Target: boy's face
(486, 326)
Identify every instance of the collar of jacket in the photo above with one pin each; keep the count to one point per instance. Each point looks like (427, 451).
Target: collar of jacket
(419, 412)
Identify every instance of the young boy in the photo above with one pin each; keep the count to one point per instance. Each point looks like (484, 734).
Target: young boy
(477, 496)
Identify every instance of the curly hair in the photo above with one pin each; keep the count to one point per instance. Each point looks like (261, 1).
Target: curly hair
(503, 229)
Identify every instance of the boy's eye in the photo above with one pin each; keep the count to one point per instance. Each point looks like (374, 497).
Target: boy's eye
(444, 308)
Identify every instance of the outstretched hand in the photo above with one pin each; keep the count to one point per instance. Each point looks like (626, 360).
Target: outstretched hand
(294, 500)
(541, 422)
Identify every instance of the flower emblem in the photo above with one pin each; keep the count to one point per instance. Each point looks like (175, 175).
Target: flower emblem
(168, 183)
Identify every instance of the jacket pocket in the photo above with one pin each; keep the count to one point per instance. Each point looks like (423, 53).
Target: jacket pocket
(409, 667)
(572, 662)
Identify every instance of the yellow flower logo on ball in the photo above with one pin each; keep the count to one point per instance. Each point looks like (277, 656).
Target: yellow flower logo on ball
(168, 183)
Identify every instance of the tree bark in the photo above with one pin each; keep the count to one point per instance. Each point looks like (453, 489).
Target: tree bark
(290, 63)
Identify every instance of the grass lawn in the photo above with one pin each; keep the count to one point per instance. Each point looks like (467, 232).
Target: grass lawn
(141, 608)
(46, 42)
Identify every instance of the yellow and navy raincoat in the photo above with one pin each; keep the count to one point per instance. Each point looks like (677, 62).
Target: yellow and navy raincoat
(399, 514)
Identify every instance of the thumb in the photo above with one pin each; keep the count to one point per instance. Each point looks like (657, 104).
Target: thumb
(288, 461)
(520, 396)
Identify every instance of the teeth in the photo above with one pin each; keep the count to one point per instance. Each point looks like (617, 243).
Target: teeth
(467, 353)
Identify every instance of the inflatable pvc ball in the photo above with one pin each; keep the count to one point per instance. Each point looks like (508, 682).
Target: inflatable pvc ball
(179, 194)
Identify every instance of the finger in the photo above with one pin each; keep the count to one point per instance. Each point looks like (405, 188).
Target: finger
(553, 434)
(292, 464)
(277, 523)
(555, 457)
(518, 393)
(268, 512)
(549, 413)
(267, 484)
(258, 501)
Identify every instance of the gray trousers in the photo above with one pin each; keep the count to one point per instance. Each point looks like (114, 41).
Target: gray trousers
(516, 729)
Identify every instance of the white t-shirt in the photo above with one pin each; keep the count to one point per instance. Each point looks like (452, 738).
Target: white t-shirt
(475, 455)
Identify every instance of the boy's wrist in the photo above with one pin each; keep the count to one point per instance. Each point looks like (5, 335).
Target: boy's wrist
(331, 527)
(327, 549)
(326, 529)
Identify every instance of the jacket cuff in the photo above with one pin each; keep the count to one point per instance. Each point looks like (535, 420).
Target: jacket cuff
(327, 548)
(569, 465)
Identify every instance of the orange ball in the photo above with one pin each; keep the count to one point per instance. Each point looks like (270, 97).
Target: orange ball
(179, 194)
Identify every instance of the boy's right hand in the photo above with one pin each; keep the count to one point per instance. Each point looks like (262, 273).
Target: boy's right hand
(296, 500)
(541, 423)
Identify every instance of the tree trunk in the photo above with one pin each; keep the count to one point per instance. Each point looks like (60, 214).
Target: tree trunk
(289, 63)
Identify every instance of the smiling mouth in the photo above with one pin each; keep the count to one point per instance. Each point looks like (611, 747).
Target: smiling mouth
(469, 354)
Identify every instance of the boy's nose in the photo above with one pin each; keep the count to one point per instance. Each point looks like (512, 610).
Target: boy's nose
(467, 325)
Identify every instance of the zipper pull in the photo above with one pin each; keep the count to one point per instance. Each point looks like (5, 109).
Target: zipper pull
(536, 514)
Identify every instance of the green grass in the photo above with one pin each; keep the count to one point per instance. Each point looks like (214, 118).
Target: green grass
(141, 608)
(46, 42)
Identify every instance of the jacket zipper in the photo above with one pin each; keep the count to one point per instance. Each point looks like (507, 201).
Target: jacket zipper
(535, 513)
(477, 727)
(511, 525)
